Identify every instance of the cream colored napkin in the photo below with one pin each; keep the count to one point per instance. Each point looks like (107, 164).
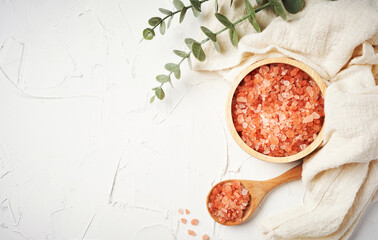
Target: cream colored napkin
(338, 40)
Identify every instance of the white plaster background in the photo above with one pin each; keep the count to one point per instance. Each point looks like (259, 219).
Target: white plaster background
(83, 155)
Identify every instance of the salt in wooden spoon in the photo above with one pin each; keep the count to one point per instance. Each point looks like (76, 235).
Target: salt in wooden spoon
(258, 190)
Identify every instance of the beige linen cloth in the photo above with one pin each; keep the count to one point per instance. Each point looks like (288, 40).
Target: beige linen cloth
(338, 39)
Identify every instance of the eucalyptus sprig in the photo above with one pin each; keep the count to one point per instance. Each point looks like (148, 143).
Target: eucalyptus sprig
(195, 47)
(195, 5)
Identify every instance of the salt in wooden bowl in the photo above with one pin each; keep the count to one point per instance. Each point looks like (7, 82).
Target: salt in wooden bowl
(310, 148)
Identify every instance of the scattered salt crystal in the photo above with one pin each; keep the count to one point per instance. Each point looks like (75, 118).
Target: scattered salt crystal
(191, 233)
(187, 212)
(194, 221)
(183, 220)
(180, 211)
(205, 237)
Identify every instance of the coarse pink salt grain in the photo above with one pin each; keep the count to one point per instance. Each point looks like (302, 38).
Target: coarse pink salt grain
(187, 212)
(183, 220)
(191, 233)
(180, 211)
(194, 221)
(205, 237)
(277, 109)
(228, 201)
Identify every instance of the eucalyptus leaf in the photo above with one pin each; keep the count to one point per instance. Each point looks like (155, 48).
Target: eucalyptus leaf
(182, 14)
(234, 37)
(217, 46)
(177, 74)
(154, 21)
(255, 24)
(163, 78)
(216, 6)
(196, 4)
(162, 28)
(260, 2)
(209, 33)
(249, 9)
(196, 13)
(224, 20)
(160, 93)
(165, 11)
(293, 6)
(252, 19)
(148, 33)
(170, 83)
(178, 4)
(278, 8)
(181, 53)
(169, 21)
(152, 99)
(231, 2)
(172, 67)
(189, 42)
(198, 51)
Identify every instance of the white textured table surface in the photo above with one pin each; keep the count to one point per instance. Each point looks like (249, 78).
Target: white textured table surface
(82, 153)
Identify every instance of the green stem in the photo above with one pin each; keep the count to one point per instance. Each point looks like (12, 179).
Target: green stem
(238, 21)
(179, 63)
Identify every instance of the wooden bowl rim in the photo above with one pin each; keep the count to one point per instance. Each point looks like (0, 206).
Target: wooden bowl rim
(235, 134)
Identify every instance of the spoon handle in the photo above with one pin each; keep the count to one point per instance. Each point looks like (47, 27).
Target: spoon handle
(293, 174)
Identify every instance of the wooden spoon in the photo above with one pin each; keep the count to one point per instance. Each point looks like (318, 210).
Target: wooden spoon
(257, 191)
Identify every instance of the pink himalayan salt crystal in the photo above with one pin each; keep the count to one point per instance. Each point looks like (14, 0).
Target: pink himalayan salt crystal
(183, 220)
(180, 211)
(191, 233)
(205, 237)
(194, 221)
(187, 212)
(228, 200)
(280, 117)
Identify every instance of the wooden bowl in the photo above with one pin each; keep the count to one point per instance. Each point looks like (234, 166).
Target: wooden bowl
(310, 148)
